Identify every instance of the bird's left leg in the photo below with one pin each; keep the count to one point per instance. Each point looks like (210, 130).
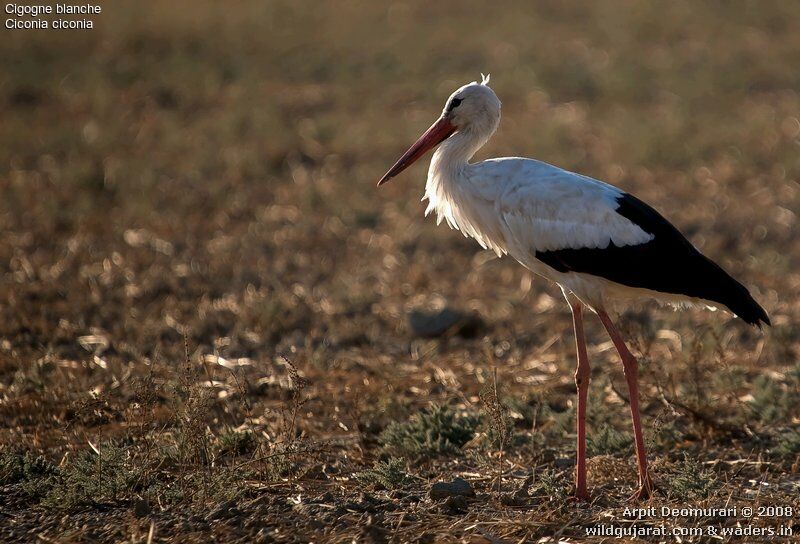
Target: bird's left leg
(631, 369)
(582, 375)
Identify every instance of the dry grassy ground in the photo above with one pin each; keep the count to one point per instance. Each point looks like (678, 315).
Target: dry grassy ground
(188, 194)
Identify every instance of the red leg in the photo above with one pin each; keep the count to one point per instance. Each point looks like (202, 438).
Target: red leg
(582, 376)
(631, 368)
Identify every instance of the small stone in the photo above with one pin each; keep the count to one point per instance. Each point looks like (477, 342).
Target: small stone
(564, 462)
(141, 508)
(457, 504)
(375, 534)
(327, 498)
(434, 324)
(224, 511)
(459, 487)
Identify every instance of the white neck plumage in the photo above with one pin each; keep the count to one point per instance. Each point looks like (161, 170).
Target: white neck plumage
(451, 161)
(449, 166)
(452, 157)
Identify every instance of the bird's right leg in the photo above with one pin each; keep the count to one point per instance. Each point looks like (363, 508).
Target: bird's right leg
(582, 375)
(631, 369)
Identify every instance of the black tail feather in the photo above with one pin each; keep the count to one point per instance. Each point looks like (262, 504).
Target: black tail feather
(724, 289)
(747, 309)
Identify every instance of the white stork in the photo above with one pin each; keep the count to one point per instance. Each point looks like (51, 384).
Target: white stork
(598, 243)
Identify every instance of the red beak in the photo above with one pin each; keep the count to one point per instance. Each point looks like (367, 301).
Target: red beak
(439, 132)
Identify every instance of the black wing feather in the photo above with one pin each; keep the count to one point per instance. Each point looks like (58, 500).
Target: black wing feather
(668, 263)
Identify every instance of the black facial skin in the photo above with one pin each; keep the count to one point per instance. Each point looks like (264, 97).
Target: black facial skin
(453, 104)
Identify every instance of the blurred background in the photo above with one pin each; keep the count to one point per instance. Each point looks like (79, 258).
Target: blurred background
(194, 182)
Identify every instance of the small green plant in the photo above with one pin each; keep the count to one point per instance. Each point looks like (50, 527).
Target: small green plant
(556, 423)
(550, 484)
(224, 484)
(32, 473)
(389, 474)
(233, 442)
(93, 476)
(788, 443)
(281, 461)
(772, 401)
(692, 481)
(666, 435)
(17, 467)
(608, 441)
(434, 431)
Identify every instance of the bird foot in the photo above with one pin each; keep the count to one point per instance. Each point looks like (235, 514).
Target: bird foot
(645, 490)
(580, 496)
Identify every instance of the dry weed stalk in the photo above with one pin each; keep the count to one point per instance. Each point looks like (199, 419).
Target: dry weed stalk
(191, 418)
(299, 385)
(499, 423)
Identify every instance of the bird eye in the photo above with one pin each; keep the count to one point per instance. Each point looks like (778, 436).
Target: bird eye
(454, 104)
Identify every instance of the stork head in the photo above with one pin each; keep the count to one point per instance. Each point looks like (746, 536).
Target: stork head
(472, 109)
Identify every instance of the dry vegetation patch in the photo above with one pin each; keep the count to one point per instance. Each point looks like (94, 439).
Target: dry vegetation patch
(213, 326)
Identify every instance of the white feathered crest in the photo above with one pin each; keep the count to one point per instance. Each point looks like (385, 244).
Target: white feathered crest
(485, 78)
